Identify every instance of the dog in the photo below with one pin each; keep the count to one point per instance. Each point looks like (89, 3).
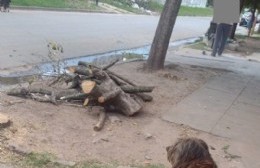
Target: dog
(190, 153)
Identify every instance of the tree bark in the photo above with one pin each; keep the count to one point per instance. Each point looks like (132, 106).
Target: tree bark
(137, 89)
(163, 34)
(101, 121)
(252, 18)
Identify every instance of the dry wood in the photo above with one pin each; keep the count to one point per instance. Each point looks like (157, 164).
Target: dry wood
(101, 121)
(86, 101)
(118, 81)
(66, 92)
(121, 77)
(21, 92)
(123, 102)
(110, 65)
(137, 89)
(81, 70)
(145, 97)
(43, 98)
(78, 96)
(109, 95)
(87, 86)
(40, 90)
(86, 64)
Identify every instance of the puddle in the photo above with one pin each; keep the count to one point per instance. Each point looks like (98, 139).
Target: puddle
(48, 69)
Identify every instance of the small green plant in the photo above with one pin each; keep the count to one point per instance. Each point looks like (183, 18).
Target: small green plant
(152, 166)
(37, 160)
(54, 53)
(96, 164)
(195, 11)
(229, 155)
(199, 46)
(130, 56)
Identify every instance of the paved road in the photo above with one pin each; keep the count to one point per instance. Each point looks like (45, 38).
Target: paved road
(25, 34)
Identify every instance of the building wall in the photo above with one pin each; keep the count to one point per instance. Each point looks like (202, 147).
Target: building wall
(194, 3)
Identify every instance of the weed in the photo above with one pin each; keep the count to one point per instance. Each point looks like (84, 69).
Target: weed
(229, 155)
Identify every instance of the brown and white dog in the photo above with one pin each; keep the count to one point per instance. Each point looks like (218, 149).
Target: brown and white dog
(190, 153)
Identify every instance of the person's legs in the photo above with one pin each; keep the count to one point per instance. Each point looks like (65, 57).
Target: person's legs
(217, 39)
(226, 31)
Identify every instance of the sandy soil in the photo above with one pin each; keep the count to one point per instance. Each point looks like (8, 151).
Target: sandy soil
(67, 132)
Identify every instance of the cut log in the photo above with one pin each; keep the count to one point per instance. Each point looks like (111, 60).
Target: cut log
(145, 97)
(43, 98)
(86, 64)
(67, 92)
(86, 101)
(21, 92)
(109, 95)
(137, 89)
(81, 70)
(121, 77)
(101, 121)
(78, 96)
(118, 81)
(123, 102)
(87, 86)
(40, 90)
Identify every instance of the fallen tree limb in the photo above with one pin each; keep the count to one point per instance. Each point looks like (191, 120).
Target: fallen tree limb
(110, 65)
(101, 120)
(136, 89)
(78, 96)
(81, 70)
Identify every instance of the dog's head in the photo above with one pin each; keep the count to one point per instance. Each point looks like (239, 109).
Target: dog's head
(190, 153)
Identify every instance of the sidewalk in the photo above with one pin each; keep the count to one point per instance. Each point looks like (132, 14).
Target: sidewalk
(226, 106)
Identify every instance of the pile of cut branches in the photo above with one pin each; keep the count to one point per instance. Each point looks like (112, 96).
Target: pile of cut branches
(92, 86)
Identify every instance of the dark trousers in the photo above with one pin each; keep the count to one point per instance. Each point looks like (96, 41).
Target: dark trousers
(221, 36)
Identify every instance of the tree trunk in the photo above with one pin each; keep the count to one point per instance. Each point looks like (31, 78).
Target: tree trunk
(234, 27)
(163, 34)
(252, 18)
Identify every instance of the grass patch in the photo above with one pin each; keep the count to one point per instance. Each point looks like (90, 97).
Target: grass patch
(199, 46)
(122, 4)
(194, 11)
(78, 4)
(244, 37)
(130, 56)
(229, 155)
(46, 160)
(39, 161)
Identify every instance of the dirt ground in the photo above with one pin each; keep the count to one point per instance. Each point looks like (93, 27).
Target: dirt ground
(67, 132)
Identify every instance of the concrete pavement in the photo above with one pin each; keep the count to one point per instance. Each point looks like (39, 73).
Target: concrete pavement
(226, 106)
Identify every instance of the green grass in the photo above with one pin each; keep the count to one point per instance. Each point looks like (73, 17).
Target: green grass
(78, 4)
(244, 37)
(46, 160)
(123, 4)
(193, 11)
(199, 46)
